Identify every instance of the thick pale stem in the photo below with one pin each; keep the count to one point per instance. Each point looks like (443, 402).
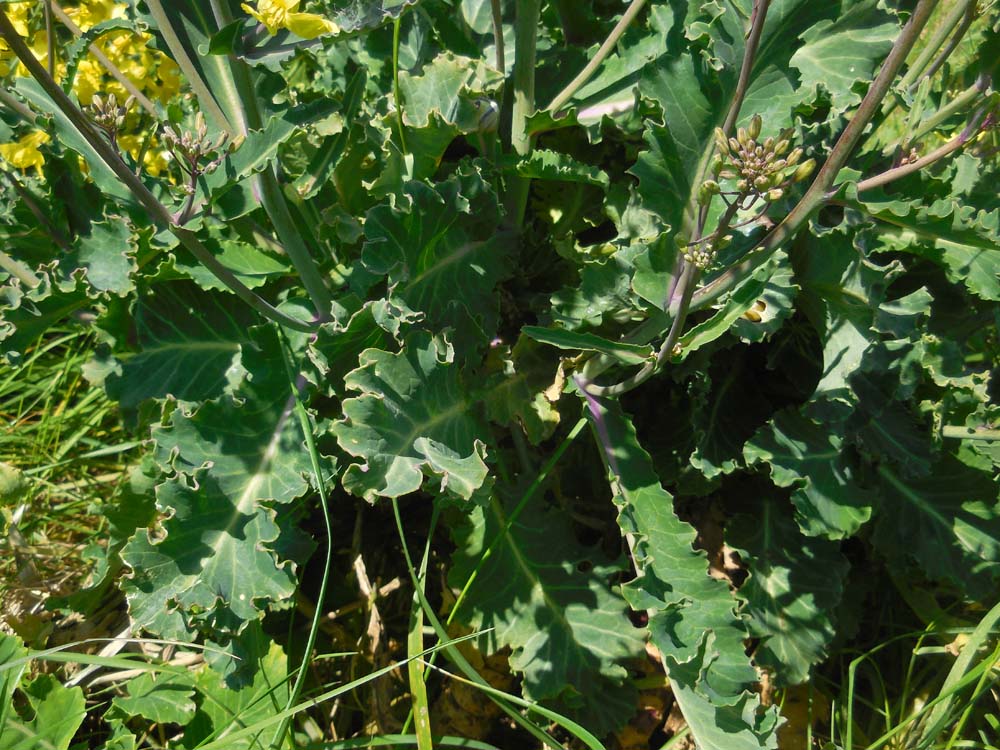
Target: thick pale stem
(201, 90)
(498, 35)
(958, 13)
(599, 57)
(525, 32)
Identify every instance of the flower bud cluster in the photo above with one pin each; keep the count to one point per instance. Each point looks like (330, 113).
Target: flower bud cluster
(109, 115)
(191, 148)
(761, 168)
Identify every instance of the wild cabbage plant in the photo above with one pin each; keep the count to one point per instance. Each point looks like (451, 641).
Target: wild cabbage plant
(407, 253)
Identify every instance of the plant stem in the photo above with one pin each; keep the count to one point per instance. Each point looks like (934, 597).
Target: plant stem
(757, 17)
(686, 285)
(21, 109)
(271, 195)
(109, 66)
(17, 269)
(938, 37)
(960, 32)
(525, 32)
(957, 104)
(156, 210)
(602, 52)
(50, 40)
(817, 193)
(204, 95)
(498, 36)
(906, 169)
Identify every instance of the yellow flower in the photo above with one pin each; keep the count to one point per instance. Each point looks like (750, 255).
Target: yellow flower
(24, 154)
(282, 14)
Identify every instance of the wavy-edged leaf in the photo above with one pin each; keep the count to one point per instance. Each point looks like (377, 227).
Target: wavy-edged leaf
(234, 458)
(693, 617)
(25, 314)
(841, 295)
(809, 457)
(413, 419)
(442, 255)
(107, 255)
(630, 354)
(948, 523)
(836, 54)
(163, 698)
(792, 593)
(542, 164)
(189, 346)
(549, 600)
(358, 15)
(966, 242)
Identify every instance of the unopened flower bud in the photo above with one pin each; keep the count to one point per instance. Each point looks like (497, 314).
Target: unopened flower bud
(717, 162)
(805, 169)
(755, 124)
(769, 144)
(762, 182)
(742, 136)
(734, 145)
(782, 147)
(793, 158)
(742, 186)
(721, 143)
(775, 195)
(706, 191)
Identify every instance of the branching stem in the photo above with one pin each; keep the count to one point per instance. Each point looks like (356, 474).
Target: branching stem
(817, 194)
(757, 17)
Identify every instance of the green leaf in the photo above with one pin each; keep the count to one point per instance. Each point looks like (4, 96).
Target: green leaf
(522, 388)
(630, 354)
(552, 165)
(792, 593)
(224, 709)
(957, 237)
(107, 255)
(235, 457)
(693, 620)
(358, 15)
(161, 698)
(190, 343)
(770, 286)
(442, 256)
(549, 600)
(841, 294)
(836, 54)
(948, 523)
(57, 712)
(809, 457)
(411, 420)
(249, 264)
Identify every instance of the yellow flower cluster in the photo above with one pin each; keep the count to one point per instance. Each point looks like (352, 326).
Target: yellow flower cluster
(154, 74)
(283, 14)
